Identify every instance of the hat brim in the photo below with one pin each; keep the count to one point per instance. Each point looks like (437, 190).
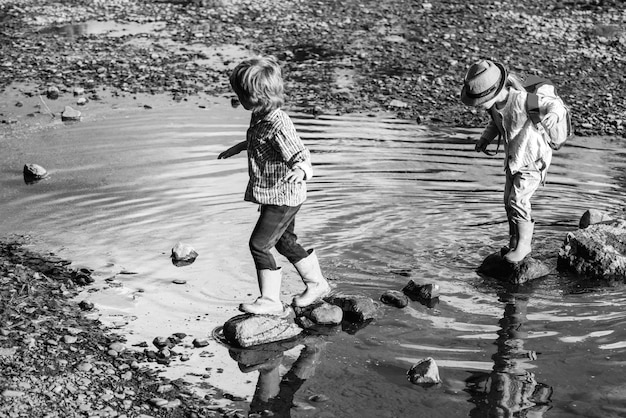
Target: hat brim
(477, 101)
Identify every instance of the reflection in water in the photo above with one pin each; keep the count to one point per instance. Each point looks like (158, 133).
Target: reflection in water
(274, 395)
(511, 389)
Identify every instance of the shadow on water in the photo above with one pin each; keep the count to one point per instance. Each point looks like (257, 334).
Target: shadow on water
(391, 201)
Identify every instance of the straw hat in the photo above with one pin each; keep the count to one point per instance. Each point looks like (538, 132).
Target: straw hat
(483, 81)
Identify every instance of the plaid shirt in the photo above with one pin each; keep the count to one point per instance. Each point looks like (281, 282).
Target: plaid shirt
(274, 148)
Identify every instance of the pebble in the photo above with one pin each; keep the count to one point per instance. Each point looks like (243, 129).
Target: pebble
(84, 367)
(119, 347)
(200, 342)
(7, 393)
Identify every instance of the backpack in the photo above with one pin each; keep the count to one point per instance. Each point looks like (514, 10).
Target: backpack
(562, 131)
(538, 86)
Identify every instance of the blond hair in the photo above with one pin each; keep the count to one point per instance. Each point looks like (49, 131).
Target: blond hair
(259, 81)
(514, 81)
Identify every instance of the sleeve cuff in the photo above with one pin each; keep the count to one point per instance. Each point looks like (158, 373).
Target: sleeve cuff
(308, 170)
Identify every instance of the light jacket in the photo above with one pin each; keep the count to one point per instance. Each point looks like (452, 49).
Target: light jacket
(524, 144)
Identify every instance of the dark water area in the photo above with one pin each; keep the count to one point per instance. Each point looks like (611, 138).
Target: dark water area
(391, 201)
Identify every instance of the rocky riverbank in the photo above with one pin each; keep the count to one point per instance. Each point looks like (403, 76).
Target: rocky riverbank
(338, 57)
(56, 362)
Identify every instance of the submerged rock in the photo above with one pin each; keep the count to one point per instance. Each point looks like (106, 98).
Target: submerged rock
(496, 266)
(395, 298)
(250, 330)
(424, 372)
(421, 291)
(598, 251)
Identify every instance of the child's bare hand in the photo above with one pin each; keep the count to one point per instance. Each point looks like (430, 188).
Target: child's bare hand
(295, 175)
(226, 154)
(481, 145)
(550, 120)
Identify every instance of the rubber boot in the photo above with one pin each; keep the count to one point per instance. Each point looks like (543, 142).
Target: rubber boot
(316, 285)
(524, 238)
(512, 239)
(269, 302)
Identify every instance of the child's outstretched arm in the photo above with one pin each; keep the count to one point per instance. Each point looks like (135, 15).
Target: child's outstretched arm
(234, 150)
(488, 135)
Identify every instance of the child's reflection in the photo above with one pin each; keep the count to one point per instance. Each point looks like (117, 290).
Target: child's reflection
(511, 389)
(276, 394)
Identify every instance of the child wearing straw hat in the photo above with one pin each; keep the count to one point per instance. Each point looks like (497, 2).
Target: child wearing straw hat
(490, 86)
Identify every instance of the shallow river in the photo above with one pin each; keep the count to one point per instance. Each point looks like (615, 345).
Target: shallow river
(391, 201)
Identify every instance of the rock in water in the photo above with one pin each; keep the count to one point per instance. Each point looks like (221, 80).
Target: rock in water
(250, 330)
(594, 216)
(526, 270)
(424, 372)
(598, 251)
(426, 294)
(395, 298)
(34, 173)
(360, 308)
(183, 254)
(70, 114)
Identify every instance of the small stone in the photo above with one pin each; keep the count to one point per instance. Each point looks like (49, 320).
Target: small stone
(70, 115)
(52, 93)
(424, 372)
(69, 339)
(326, 314)
(34, 172)
(86, 306)
(84, 367)
(319, 398)
(394, 298)
(159, 402)
(592, 217)
(179, 281)
(117, 346)
(7, 393)
(183, 254)
(200, 342)
(421, 292)
(160, 342)
(398, 103)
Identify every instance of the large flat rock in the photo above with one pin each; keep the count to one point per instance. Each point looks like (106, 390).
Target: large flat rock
(597, 252)
(499, 268)
(251, 330)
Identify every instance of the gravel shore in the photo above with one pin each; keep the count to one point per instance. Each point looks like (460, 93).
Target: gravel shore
(338, 57)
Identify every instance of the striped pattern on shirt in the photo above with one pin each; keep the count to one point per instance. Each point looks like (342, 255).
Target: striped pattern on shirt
(274, 148)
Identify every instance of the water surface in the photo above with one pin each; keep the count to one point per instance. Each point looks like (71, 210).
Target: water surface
(391, 201)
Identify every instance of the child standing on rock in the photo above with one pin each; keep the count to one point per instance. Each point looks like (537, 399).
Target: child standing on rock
(488, 85)
(278, 165)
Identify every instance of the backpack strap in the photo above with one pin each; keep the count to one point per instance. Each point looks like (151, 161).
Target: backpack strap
(532, 108)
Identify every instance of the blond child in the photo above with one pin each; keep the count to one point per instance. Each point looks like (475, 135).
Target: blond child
(278, 165)
(488, 85)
